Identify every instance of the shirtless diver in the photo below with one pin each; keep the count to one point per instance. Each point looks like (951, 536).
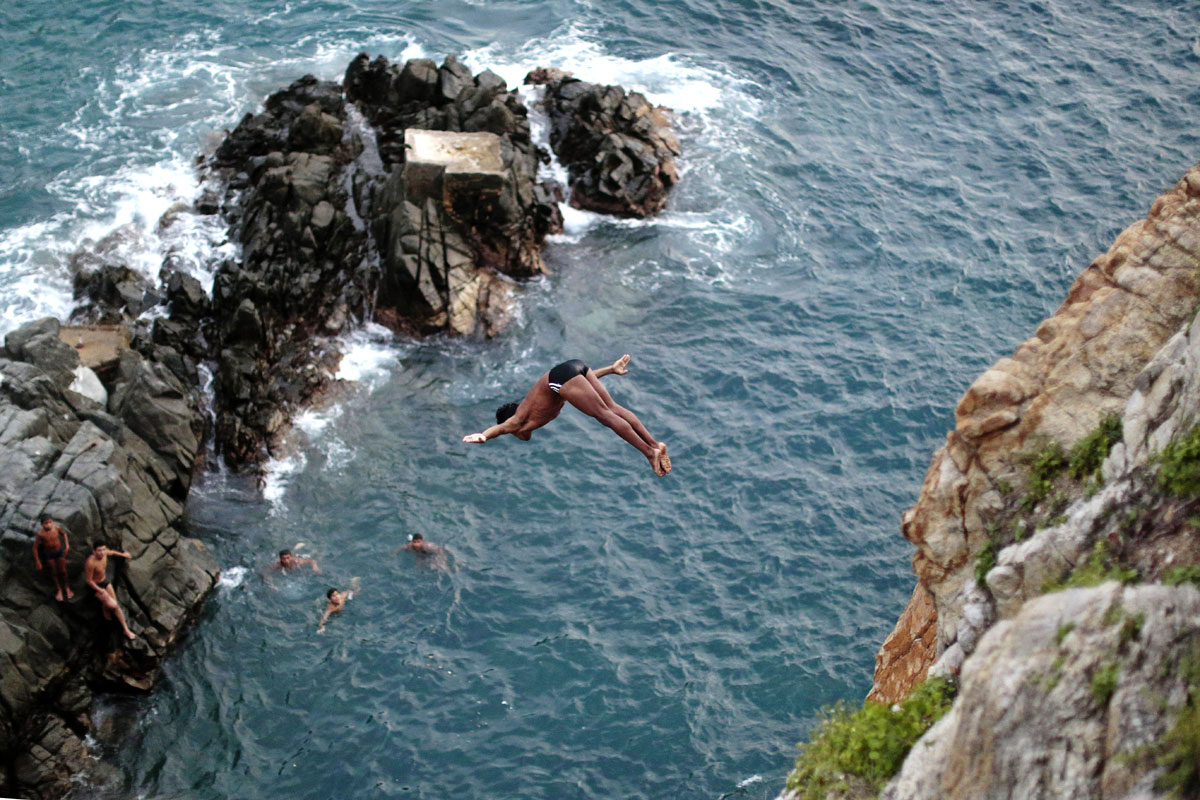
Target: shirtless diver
(575, 383)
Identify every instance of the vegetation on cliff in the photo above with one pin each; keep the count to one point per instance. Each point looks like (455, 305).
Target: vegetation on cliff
(853, 753)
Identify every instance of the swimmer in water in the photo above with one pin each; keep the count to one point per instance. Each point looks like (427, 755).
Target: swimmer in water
(287, 561)
(337, 602)
(436, 554)
(575, 383)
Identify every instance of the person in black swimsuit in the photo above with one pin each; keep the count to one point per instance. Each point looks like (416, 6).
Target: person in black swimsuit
(50, 546)
(575, 383)
(95, 574)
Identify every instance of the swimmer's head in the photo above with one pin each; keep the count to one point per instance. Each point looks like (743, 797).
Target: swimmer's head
(416, 537)
(331, 593)
(505, 411)
(283, 553)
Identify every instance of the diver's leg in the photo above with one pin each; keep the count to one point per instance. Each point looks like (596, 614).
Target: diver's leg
(578, 391)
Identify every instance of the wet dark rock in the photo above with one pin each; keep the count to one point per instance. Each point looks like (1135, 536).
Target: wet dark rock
(618, 149)
(117, 474)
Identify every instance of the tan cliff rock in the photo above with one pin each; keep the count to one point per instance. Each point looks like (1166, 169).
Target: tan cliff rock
(1080, 365)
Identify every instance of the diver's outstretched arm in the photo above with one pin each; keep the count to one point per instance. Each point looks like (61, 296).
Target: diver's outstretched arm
(618, 367)
(510, 425)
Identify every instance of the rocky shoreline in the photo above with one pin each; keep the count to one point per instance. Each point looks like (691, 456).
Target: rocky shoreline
(408, 196)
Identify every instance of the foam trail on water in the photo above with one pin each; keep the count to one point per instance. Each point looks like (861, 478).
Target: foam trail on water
(277, 473)
(232, 578)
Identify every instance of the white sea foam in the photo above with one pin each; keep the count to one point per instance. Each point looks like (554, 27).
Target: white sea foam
(753, 779)
(368, 355)
(277, 474)
(232, 578)
(667, 79)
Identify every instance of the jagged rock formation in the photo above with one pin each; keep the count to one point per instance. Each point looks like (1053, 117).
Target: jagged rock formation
(1067, 693)
(1065, 700)
(337, 226)
(1082, 364)
(116, 473)
(412, 201)
(618, 149)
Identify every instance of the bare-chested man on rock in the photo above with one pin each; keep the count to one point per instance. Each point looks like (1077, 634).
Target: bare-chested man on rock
(95, 573)
(50, 547)
(575, 383)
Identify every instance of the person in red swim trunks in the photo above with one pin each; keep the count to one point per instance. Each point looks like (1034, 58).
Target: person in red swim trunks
(50, 546)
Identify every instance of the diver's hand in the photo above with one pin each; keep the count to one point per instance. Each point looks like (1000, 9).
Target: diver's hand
(474, 438)
(621, 365)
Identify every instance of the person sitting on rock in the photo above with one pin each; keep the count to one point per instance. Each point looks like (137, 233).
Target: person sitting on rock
(50, 547)
(287, 561)
(95, 574)
(575, 383)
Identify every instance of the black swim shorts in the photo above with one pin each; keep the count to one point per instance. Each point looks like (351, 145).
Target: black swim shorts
(564, 372)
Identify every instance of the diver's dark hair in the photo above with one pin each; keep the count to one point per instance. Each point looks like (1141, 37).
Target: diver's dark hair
(505, 411)
(45, 517)
(283, 553)
(418, 537)
(329, 594)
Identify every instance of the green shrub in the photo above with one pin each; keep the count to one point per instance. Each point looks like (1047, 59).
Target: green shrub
(1176, 576)
(1179, 749)
(985, 560)
(1062, 632)
(1099, 567)
(1044, 466)
(1104, 683)
(1179, 464)
(1089, 452)
(867, 746)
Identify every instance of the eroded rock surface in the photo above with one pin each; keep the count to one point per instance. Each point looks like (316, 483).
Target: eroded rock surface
(1066, 699)
(1082, 364)
(336, 229)
(115, 473)
(618, 148)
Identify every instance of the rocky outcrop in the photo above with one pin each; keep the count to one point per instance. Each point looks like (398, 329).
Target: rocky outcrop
(116, 473)
(1082, 364)
(908, 651)
(406, 195)
(345, 213)
(1067, 699)
(453, 210)
(618, 148)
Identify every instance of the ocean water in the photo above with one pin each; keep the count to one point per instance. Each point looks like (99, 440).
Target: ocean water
(878, 200)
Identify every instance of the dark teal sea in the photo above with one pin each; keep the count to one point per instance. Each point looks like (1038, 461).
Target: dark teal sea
(878, 200)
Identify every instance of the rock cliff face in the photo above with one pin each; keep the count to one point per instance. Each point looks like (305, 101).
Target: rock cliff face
(1075, 460)
(1081, 365)
(112, 469)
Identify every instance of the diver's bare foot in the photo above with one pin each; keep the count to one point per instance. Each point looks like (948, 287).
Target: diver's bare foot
(654, 462)
(664, 461)
(58, 596)
(70, 594)
(129, 634)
